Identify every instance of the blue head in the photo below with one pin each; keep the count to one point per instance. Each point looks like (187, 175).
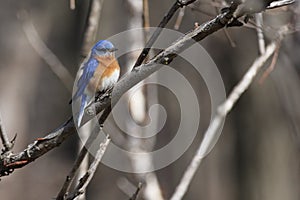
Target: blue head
(103, 48)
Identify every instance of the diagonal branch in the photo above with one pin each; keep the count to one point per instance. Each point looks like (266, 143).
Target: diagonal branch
(83, 152)
(42, 145)
(178, 4)
(85, 180)
(211, 135)
(280, 3)
(45, 53)
(138, 189)
(92, 26)
(35, 150)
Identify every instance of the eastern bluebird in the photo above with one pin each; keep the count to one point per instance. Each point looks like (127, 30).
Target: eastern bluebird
(100, 72)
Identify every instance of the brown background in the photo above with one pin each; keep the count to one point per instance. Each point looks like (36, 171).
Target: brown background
(257, 156)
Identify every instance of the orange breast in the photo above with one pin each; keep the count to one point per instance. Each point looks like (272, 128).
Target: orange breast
(107, 66)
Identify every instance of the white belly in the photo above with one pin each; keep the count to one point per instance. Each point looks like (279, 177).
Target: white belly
(109, 82)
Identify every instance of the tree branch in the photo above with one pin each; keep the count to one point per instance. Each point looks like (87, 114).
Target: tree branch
(280, 3)
(138, 189)
(92, 26)
(42, 145)
(178, 4)
(83, 152)
(211, 135)
(7, 145)
(72, 4)
(45, 53)
(90, 34)
(85, 180)
(260, 34)
(36, 149)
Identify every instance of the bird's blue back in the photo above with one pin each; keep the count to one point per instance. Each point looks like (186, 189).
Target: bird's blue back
(88, 72)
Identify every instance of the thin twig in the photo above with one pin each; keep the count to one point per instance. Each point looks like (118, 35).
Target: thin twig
(178, 4)
(212, 130)
(63, 192)
(212, 134)
(43, 145)
(146, 15)
(45, 53)
(7, 145)
(272, 65)
(146, 23)
(138, 189)
(146, 20)
(85, 180)
(260, 34)
(92, 26)
(281, 3)
(72, 4)
(138, 109)
(35, 150)
(83, 167)
(179, 18)
(126, 186)
(90, 33)
(228, 37)
(83, 152)
(166, 56)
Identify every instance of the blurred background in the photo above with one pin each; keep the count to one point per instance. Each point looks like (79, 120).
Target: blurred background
(257, 155)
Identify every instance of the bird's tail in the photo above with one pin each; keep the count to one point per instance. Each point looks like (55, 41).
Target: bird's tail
(82, 107)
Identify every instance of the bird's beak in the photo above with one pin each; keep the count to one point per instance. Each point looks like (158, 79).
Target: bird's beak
(113, 49)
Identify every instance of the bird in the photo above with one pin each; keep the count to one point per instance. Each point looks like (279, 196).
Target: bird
(101, 72)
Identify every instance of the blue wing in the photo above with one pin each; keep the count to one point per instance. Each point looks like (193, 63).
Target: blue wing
(82, 107)
(88, 72)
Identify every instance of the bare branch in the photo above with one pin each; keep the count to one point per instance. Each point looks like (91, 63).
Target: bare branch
(260, 33)
(7, 145)
(138, 189)
(179, 18)
(45, 53)
(138, 109)
(146, 20)
(90, 33)
(280, 3)
(166, 56)
(72, 4)
(92, 26)
(54, 139)
(231, 42)
(272, 65)
(40, 146)
(85, 180)
(63, 192)
(83, 152)
(35, 150)
(146, 15)
(178, 4)
(211, 135)
(126, 186)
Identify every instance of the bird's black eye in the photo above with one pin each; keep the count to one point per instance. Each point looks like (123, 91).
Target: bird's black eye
(102, 49)
(112, 49)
